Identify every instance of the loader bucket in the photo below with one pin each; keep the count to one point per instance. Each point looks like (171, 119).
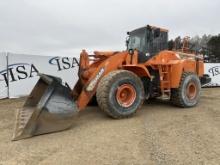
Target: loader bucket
(49, 108)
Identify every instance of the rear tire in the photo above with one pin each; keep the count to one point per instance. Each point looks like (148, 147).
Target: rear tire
(120, 93)
(188, 93)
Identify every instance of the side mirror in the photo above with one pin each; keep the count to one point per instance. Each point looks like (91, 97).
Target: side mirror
(156, 33)
(127, 41)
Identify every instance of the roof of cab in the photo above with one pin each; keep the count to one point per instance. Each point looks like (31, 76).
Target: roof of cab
(153, 27)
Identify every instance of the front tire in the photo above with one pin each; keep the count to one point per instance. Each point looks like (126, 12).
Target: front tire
(120, 93)
(188, 93)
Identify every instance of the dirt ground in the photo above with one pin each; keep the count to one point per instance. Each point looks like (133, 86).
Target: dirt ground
(158, 134)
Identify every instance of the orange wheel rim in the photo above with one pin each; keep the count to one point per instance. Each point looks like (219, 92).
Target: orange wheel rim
(191, 91)
(125, 95)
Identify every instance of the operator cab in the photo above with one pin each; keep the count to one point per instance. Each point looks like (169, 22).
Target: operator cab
(148, 40)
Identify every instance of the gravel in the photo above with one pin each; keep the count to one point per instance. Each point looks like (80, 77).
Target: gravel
(159, 134)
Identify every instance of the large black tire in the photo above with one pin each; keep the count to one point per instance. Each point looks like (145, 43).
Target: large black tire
(188, 93)
(107, 93)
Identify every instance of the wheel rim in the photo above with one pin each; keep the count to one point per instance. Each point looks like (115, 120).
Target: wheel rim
(126, 95)
(191, 91)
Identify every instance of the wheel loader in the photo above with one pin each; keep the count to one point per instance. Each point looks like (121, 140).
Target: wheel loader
(119, 80)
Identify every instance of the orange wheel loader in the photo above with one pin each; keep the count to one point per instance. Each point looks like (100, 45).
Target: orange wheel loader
(119, 80)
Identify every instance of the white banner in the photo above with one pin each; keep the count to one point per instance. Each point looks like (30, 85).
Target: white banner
(23, 71)
(213, 70)
(3, 76)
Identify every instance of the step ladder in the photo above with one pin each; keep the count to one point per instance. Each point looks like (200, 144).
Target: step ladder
(165, 83)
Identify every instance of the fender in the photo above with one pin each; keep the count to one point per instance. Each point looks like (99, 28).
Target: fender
(140, 70)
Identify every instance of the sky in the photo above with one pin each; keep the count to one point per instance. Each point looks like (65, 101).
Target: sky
(65, 27)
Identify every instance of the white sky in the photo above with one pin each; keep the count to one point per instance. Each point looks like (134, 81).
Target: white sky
(64, 27)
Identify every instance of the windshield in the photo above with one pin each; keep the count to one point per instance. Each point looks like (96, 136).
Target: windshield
(137, 40)
(147, 42)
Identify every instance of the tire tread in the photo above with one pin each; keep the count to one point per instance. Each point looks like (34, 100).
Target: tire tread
(176, 98)
(105, 85)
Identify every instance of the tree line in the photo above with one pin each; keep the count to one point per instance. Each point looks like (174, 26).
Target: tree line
(208, 45)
